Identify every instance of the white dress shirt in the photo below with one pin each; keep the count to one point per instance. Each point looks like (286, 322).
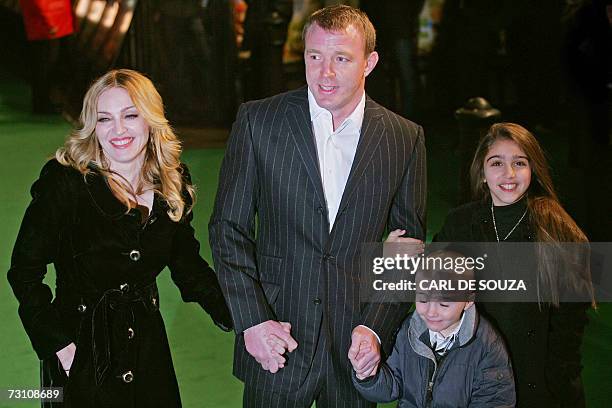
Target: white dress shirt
(336, 150)
(444, 343)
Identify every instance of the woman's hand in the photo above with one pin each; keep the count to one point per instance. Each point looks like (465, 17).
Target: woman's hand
(66, 357)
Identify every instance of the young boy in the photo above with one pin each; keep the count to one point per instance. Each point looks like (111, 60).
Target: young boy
(445, 355)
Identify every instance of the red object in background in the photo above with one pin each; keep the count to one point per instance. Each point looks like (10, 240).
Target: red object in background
(47, 19)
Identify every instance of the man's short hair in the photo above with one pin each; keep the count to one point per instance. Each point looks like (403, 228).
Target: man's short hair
(339, 18)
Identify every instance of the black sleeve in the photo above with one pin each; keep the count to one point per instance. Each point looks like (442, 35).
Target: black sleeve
(408, 212)
(36, 246)
(232, 229)
(447, 232)
(193, 276)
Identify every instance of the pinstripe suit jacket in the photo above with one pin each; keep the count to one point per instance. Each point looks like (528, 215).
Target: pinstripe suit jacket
(269, 231)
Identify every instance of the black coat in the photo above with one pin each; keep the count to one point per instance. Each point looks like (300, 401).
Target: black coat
(106, 298)
(543, 341)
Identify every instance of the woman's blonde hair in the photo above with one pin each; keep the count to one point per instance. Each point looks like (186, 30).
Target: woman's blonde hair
(161, 170)
(551, 222)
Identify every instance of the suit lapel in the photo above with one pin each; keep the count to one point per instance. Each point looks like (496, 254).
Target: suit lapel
(298, 116)
(372, 132)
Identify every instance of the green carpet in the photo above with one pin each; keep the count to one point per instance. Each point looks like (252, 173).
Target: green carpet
(202, 354)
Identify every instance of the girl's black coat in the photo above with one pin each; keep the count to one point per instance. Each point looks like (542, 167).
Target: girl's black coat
(106, 299)
(543, 342)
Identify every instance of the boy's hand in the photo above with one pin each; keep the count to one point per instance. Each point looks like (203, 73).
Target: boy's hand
(364, 353)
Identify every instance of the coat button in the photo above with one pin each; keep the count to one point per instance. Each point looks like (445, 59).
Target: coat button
(124, 287)
(320, 210)
(130, 333)
(135, 255)
(127, 377)
(81, 308)
(531, 333)
(316, 301)
(532, 386)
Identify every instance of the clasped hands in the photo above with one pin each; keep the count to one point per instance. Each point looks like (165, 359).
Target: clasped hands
(364, 353)
(267, 342)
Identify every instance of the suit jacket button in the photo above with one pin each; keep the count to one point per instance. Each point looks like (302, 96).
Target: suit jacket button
(124, 287)
(81, 308)
(320, 210)
(316, 301)
(532, 386)
(135, 255)
(127, 377)
(130, 333)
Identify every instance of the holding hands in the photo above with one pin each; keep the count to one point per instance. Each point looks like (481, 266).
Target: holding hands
(364, 353)
(267, 342)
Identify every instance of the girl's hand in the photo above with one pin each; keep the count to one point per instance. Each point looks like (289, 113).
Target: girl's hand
(395, 235)
(416, 246)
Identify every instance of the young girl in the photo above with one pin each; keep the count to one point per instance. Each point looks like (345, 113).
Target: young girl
(516, 202)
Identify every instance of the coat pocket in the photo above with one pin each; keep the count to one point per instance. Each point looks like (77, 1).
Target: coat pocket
(269, 274)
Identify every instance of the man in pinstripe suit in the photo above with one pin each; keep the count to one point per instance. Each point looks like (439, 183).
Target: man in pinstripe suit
(309, 176)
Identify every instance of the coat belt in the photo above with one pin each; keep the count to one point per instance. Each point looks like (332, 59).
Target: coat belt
(113, 317)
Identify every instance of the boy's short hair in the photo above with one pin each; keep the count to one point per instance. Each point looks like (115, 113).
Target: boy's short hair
(445, 277)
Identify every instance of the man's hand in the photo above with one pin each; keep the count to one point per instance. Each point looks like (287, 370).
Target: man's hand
(364, 353)
(268, 341)
(66, 357)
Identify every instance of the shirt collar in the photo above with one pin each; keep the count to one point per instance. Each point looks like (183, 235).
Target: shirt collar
(355, 118)
(442, 342)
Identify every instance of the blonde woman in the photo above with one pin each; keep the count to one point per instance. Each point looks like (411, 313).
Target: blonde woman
(111, 211)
